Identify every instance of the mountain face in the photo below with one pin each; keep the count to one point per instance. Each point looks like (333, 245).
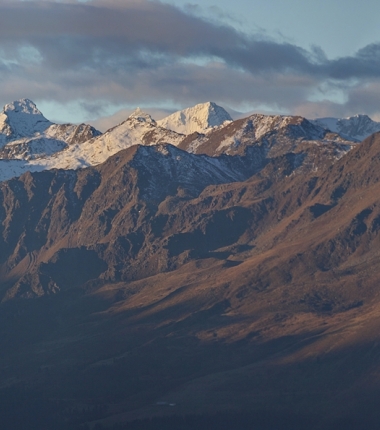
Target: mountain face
(200, 118)
(275, 135)
(354, 128)
(139, 129)
(195, 274)
(85, 208)
(55, 138)
(74, 147)
(232, 275)
(25, 134)
(21, 119)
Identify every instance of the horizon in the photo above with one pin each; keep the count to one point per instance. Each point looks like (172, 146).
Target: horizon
(105, 123)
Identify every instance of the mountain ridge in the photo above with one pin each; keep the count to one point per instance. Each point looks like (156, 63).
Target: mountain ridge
(67, 147)
(240, 275)
(356, 127)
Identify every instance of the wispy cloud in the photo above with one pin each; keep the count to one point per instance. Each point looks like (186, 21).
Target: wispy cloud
(140, 51)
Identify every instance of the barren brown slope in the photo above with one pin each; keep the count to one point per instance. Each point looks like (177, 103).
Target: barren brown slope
(253, 295)
(108, 214)
(307, 287)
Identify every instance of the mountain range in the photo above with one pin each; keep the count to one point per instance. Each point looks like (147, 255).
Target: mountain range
(160, 272)
(29, 142)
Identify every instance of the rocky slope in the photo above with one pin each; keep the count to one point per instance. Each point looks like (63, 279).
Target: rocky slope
(238, 275)
(77, 208)
(275, 135)
(162, 274)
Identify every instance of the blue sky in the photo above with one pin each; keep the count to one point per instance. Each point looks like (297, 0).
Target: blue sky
(96, 60)
(339, 28)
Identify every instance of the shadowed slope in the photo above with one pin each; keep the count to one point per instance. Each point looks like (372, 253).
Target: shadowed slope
(203, 288)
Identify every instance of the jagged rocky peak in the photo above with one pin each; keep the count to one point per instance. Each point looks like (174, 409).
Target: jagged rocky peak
(301, 126)
(22, 106)
(200, 118)
(356, 127)
(26, 135)
(72, 133)
(141, 116)
(22, 118)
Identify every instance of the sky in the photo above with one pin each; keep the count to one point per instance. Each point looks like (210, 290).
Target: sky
(96, 60)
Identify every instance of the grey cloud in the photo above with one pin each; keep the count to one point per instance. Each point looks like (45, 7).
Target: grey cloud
(178, 84)
(365, 97)
(88, 34)
(144, 51)
(138, 34)
(322, 109)
(365, 64)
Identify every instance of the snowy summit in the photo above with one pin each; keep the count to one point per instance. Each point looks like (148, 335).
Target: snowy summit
(21, 119)
(141, 116)
(200, 118)
(28, 139)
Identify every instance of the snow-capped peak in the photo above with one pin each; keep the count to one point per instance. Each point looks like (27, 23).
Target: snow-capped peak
(141, 116)
(356, 127)
(22, 106)
(200, 118)
(21, 118)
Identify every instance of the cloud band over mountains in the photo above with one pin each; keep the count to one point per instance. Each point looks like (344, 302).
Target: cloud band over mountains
(148, 52)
